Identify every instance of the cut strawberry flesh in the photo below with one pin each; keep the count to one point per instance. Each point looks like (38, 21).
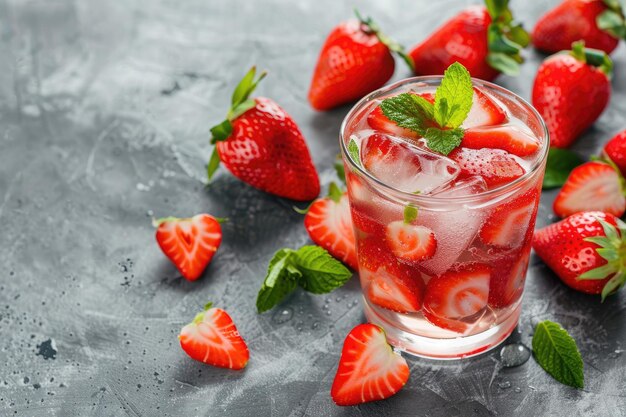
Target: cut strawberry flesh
(507, 281)
(508, 224)
(410, 242)
(497, 167)
(508, 138)
(484, 112)
(394, 288)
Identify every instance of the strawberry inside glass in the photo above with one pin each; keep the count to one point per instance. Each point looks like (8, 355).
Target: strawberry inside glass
(443, 218)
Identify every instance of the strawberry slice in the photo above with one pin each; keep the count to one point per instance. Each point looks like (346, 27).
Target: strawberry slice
(378, 121)
(456, 294)
(589, 187)
(365, 223)
(329, 225)
(212, 338)
(497, 167)
(369, 369)
(507, 282)
(189, 243)
(484, 112)
(507, 225)
(507, 138)
(410, 242)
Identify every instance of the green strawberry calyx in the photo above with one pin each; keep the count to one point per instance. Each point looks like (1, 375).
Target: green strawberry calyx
(240, 103)
(613, 20)
(369, 27)
(506, 38)
(612, 248)
(594, 57)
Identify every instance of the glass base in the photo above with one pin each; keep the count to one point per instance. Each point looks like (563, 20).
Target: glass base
(442, 348)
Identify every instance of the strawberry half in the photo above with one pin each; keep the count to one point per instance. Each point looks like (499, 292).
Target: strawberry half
(260, 144)
(507, 281)
(329, 225)
(369, 369)
(410, 242)
(591, 186)
(615, 150)
(496, 166)
(458, 293)
(508, 224)
(507, 138)
(586, 251)
(212, 338)
(189, 243)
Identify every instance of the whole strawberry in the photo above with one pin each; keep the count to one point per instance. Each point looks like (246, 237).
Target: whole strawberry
(355, 60)
(615, 150)
(586, 251)
(260, 144)
(599, 23)
(485, 40)
(571, 90)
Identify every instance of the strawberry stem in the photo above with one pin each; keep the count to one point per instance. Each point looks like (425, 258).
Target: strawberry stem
(593, 57)
(612, 20)
(334, 192)
(410, 213)
(506, 38)
(158, 222)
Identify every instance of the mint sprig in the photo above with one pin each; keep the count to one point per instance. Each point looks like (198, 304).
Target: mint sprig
(310, 267)
(556, 351)
(439, 123)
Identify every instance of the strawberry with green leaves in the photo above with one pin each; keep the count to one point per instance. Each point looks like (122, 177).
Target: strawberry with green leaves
(189, 243)
(369, 369)
(599, 23)
(586, 251)
(355, 60)
(486, 40)
(260, 144)
(212, 338)
(571, 91)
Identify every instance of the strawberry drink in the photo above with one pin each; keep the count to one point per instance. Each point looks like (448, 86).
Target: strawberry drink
(444, 177)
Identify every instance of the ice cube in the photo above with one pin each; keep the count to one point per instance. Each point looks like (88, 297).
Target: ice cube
(406, 166)
(465, 187)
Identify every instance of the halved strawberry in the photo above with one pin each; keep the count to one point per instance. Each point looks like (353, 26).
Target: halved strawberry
(369, 369)
(365, 223)
(410, 242)
(591, 186)
(508, 138)
(189, 243)
(212, 338)
(507, 281)
(497, 167)
(507, 225)
(484, 112)
(458, 293)
(329, 225)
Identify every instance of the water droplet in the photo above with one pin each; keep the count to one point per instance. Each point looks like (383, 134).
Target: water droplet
(315, 325)
(283, 315)
(325, 306)
(514, 354)
(518, 389)
(328, 313)
(504, 385)
(338, 299)
(150, 213)
(143, 187)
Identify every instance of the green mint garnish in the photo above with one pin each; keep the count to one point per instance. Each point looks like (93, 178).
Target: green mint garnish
(310, 267)
(557, 353)
(439, 123)
(353, 150)
(410, 214)
(558, 167)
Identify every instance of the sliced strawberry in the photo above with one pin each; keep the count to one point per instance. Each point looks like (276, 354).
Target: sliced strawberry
(444, 323)
(508, 138)
(212, 338)
(369, 369)
(496, 166)
(410, 242)
(484, 112)
(591, 186)
(395, 287)
(458, 293)
(189, 243)
(365, 223)
(507, 225)
(507, 281)
(329, 225)
(373, 254)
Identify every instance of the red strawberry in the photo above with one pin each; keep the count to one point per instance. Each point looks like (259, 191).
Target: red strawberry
(212, 338)
(484, 112)
(571, 21)
(365, 223)
(507, 281)
(458, 293)
(571, 90)
(508, 224)
(586, 251)
(472, 38)
(508, 138)
(189, 243)
(261, 145)
(329, 225)
(496, 166)
(410, 242)
(591, 186)
(369, 369)
(355, 60)
(615, 150)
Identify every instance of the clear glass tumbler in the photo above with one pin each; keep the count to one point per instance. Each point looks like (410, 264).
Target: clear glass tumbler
(466, 298)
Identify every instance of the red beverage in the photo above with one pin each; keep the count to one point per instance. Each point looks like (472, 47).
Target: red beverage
(443, 241)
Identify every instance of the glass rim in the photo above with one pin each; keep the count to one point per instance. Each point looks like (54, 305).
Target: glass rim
(433, 198)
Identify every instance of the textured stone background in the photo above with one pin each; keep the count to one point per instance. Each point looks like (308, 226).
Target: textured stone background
(105, 109)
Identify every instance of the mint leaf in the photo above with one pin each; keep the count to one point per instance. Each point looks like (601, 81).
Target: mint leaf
(409, 111)
(453, 98)
(353, 150)
(410, 213)
(280, 281)
(443, 141)
(557, 353)
(340, 169)
(321, 273)
(558, 167)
